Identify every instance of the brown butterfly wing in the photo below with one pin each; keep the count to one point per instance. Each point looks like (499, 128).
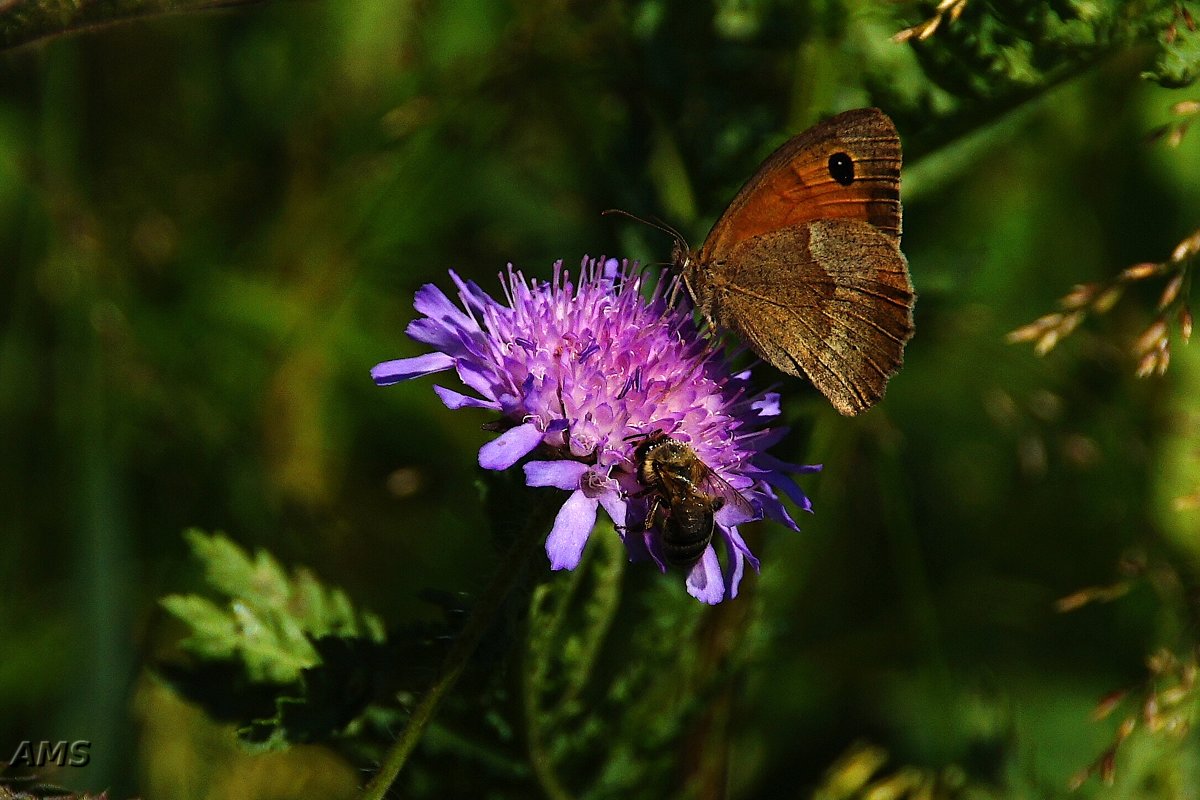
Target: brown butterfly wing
(806, 265)
(842, 316)
(797, 182)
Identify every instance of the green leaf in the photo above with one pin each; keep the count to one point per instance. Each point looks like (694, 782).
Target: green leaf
(230, 570)
(214, 632)
(303, 640)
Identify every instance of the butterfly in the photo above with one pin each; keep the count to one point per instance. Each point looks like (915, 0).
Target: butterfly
(805, 263)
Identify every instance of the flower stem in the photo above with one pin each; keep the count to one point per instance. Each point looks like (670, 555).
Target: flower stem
(508, 575)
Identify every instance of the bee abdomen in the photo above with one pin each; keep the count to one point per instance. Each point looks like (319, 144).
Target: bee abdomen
(686, 535)
(683, 553)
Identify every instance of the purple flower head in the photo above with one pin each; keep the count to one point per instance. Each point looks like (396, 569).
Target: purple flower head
(584, 372)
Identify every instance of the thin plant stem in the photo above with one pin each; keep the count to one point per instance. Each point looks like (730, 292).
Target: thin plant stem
(507, 576)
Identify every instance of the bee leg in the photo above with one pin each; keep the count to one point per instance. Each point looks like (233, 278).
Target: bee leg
(652, 513)
(638, 528)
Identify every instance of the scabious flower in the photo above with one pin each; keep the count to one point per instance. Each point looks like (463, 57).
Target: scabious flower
(580, 373)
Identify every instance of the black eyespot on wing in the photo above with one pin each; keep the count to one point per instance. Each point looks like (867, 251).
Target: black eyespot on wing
(841, 168)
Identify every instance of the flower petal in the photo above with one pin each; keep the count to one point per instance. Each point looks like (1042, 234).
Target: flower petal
(455, 400)
(433, 303)
(789, 487)
(570, 533)
(734, 539)
(735, 514)
(477, 376)
(733, 574)
(559, 474)
(436, 334)
(773, 509)
(402, 369)
(612, 268)
(615, 506)
(472, 295)
(652, 547)
(704, 582)
(509, 447)
(773, 464)
(767, 405)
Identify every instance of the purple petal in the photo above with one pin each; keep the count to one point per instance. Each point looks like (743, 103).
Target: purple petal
(635, 544)
(772, 508)
(615, 506)
(559, 474)
(651, 543)
(402, 369)
(611, 268)
(767, 405)
(471, 293)
(734, 539)
(433, 303)
(789, 487)
(733, 577)
(733, 514)
(773, 464)
(571, 529)
(477, 377)
(475, 344)
(509, 447)
(454, 400)
(704, 582)
(435, 333)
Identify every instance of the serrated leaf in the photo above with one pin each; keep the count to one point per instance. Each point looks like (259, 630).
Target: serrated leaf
(308, 600)
(274, 647)
(276, 630)
(340, 614)
(214, 633)
(269, 581)
(229, 569)
(294, 607)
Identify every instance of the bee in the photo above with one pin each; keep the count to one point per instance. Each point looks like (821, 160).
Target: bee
(685, 495)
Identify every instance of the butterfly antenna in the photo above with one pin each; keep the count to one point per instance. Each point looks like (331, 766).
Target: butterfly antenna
(680, 244)
(653, 223)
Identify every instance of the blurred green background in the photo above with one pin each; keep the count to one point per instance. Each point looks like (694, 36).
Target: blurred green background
(212, 226)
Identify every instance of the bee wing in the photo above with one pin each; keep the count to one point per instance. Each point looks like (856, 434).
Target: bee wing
(737, 508)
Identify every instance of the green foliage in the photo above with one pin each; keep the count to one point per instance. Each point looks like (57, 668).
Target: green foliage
(569, 621)
(606, 714)
(991, 56)
(1178, 63)
(287, 658)
(269, 620)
